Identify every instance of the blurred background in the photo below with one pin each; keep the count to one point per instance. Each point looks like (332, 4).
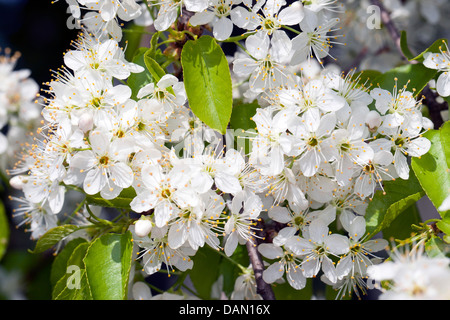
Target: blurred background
(38, 30)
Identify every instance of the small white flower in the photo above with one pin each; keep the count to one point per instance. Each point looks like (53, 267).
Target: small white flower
(441, 62)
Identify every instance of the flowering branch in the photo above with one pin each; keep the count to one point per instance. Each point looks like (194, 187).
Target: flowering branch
(434, 107)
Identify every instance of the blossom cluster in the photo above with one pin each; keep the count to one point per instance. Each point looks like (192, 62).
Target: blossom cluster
(18, 112)
(321, 148)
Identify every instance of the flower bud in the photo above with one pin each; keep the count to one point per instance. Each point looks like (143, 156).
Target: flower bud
(141, 291)
(86, 122)
(373, 120)
(142, 227)
(17, 182)
(427, 124)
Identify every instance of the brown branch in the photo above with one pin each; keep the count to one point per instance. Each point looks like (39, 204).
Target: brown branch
(262, 288)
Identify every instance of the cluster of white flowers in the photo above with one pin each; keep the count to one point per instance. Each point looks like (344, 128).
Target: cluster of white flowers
(105, 18)
(18, 113)
(322, 146)
(412, 275)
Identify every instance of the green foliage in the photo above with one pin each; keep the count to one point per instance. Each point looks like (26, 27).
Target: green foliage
(385, 208)
(207, 81)
(54, 236)
(435, 48)
(432, 169)
(136, 81)
(414, 76)
(4, 231)
(108, 263)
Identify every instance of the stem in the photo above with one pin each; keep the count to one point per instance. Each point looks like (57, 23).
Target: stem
(263, 288)
(291, 29)
(245, 50)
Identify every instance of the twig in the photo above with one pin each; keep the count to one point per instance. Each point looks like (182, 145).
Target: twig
(262, 288)
(390, 26)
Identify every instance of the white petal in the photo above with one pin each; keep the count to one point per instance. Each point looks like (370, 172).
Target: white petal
(222, 29)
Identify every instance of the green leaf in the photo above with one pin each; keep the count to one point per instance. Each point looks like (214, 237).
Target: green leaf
(59, 265)
(404, 46)
(284, 291)
(445, 141)
(444, 224)
(73, 284)
(155, 69)
(241, 116)
(153, 45)
(136, 81)
(367, 77)
(132, 39)
(385, 208)
(243, 125)
(432, 169)
(205, 271)
(108, 263)
(436, 248)
(4, 231)
(53, 236)
(207, 81)
(80, 293)
(122, 201)
(230, 270)
(401, 227)
(414, 76)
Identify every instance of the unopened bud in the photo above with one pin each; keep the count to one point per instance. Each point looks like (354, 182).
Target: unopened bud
(427, 124)
(373, 120)
(142, 227)
(86, 122)
(141, 291)
(17, 182)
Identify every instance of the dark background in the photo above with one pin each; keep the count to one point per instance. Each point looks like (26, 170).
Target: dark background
(38, 30)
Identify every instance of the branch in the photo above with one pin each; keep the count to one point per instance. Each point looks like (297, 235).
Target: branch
(390, 26)
(262, 288)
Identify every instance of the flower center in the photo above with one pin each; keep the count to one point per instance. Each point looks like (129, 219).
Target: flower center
(165, 193)
(104, 160)
(313, 141)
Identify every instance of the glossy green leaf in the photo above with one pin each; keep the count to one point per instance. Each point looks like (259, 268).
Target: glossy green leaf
(432, 169)
(230, 270)
(366, 78)
(132, 37)
(385, 208)
(155, 69)
(205, 271)
(400, 227)
(414, 76)
(54, 236)
(284, 291)
(207, 81)
(241, 116)
(73, 284)
(59, 265)
(4, 230)
(108, 263)
(436, 47)
(404, 46)
(81, 292)
(136, 81)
